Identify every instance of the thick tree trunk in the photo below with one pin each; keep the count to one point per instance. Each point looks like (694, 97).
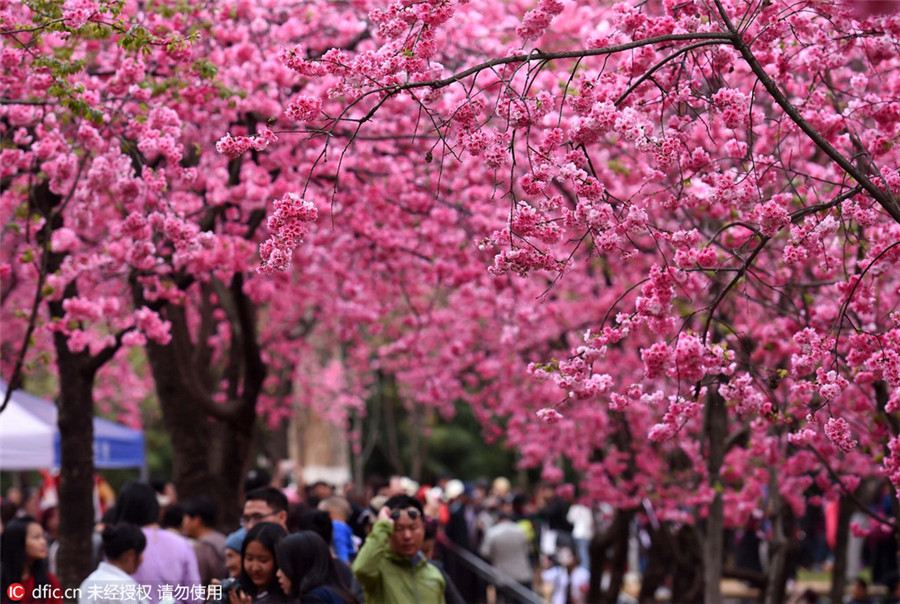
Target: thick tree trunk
(230, 461)
(76, 435)
(620, 556)
(75, 419)
(615, 537)
(839, 570)
(658, 557)
(211, 451)
(208, 458)
(716, 432)
(184, 421)
(687, 580)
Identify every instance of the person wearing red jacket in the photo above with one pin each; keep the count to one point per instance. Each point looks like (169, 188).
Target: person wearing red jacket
(23, 567)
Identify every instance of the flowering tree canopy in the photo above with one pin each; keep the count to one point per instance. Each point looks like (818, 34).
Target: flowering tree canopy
(655, 239)
(713, 185)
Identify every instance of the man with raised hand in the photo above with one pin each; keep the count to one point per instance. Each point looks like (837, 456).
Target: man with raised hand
(390, 565)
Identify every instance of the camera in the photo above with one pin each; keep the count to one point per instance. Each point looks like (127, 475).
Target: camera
(228, 585)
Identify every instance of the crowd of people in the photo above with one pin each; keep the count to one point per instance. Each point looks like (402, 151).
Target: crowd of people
(311, 545)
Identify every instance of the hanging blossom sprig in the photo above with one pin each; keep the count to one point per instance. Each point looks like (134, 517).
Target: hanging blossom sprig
(232, 147)
(288, 225)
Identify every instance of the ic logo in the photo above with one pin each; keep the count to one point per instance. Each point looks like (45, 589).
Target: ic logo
(15, 592)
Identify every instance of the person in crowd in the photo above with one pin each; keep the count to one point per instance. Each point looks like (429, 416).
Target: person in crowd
(451, 594)
(258, 581)
(233, 552)
(8, 511)
(461, 529)
(390, 564)
(581, 517)
(172, 517)
(307, 572)
(552, 512)
(319, 522)
(338, 509)
(166, 495)
(859, 592)
(169, 559)
(23, 561)
(50, 522)
(198, 524)
(569, 580)
(265, 504)
(123, 545)
(31, 503)
(506, 546)
(317, 492)
(257, 479)
(14, 497)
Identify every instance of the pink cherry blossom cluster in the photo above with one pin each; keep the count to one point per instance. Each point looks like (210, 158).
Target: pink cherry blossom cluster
(232, 147)
(679, 412)
(523, 260)
(548, 416)
(773, 215)
(77, 12)
(838, 431)
(746, 397)
(288, 225)
(303, 109)
(536, 21)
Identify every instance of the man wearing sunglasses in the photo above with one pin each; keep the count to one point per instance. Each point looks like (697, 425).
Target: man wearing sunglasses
(390, 565)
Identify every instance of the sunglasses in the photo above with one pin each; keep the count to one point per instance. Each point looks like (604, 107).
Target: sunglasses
(411, 513)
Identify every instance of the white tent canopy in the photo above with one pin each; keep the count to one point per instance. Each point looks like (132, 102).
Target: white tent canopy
(29, 437)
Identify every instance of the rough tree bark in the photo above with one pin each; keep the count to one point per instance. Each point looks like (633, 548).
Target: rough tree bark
(211, 443)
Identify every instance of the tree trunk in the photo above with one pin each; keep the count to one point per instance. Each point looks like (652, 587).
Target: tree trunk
(687, 579)
(76, 485)
(208, 457)
(616, 537)
(716, 431)
(657, 562)
(391, 399)
(781, 544)
(210, 453)
(620, 556)
(839, 570)
(185, 422)
(75, 419)
(230, 462)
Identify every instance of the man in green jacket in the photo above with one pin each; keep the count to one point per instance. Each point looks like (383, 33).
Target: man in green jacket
(390, 565)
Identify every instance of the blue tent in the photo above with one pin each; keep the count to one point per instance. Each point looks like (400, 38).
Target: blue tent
(29, 437)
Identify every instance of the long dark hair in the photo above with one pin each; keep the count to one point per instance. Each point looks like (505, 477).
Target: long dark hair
(137, 504)
(268, 534)
(14, 559)
(306, 560)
